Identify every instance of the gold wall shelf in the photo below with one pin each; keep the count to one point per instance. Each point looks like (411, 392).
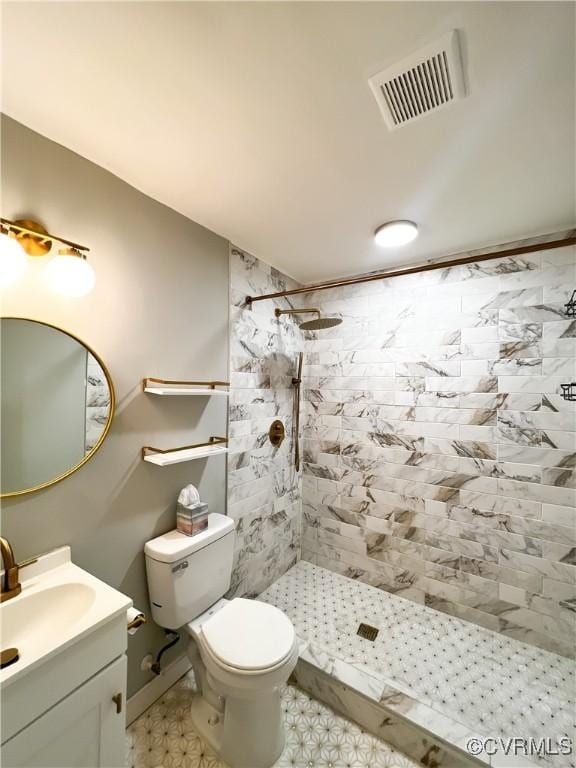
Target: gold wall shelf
(163, 457)
(175, 388)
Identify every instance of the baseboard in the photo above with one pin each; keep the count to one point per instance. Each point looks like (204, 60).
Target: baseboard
(147, 695)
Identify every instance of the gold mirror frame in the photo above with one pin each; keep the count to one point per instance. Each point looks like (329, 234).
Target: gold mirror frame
(111, 413)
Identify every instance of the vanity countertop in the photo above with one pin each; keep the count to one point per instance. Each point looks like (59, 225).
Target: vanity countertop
(59, 605)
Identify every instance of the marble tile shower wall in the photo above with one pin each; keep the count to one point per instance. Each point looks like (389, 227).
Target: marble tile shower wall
(263, 487)
(438, 452)
(97, 402)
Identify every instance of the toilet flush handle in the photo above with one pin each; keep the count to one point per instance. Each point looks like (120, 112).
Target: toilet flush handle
(180, 566)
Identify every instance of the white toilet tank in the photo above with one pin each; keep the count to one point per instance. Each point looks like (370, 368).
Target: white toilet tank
(187, 574)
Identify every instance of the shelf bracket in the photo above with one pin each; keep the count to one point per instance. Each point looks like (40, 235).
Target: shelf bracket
(178, 382)
(148, 449)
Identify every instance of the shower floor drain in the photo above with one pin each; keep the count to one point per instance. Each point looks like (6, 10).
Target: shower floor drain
(367, 632)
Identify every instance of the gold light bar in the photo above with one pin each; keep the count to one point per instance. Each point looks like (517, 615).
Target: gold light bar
(26, 229)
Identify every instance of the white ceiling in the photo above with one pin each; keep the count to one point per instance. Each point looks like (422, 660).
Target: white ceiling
(256, 119)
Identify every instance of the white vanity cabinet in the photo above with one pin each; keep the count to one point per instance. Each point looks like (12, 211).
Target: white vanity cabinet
(84, 730)
(63, 703)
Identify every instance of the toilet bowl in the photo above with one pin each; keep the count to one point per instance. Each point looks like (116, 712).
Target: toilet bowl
(242, 654)
(242, 651)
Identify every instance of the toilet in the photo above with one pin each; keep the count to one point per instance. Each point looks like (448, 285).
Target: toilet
(242, 651)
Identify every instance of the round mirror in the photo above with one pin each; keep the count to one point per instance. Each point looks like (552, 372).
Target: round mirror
(56, 404)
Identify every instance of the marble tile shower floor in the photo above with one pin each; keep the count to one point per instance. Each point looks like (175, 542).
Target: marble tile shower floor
(492, 683)
(163, 737)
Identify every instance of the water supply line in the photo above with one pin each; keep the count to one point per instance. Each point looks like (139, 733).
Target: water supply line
(156, 667)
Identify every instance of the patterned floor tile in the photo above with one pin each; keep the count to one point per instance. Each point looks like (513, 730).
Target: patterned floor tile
(316, 737)
(495, 684)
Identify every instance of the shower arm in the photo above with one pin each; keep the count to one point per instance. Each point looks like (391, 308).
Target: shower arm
(312, 310)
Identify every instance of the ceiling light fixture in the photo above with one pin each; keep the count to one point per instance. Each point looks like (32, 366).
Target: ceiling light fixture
(395, 233)
(67, 273)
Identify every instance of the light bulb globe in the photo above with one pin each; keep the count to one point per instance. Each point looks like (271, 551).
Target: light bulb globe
(12, 260)
(70, 275)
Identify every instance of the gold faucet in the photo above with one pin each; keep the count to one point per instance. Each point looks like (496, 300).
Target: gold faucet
(10, 587)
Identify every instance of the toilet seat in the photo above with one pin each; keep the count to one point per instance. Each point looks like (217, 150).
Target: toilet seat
(247, 636)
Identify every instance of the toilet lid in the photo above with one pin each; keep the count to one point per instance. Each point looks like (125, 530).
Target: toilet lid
(250, 635)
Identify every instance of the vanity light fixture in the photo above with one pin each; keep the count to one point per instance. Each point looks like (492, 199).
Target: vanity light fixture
(67, 273)
(395, 233)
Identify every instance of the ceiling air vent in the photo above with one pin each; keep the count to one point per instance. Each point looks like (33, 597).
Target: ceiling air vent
(424, 82)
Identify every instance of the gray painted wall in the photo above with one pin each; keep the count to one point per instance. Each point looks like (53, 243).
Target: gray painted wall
(160, 307)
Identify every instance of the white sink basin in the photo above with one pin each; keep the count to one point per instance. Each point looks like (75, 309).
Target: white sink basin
(39, 618)
(59, 604)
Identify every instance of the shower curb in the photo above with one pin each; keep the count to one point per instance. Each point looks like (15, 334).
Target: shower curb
(411, 727)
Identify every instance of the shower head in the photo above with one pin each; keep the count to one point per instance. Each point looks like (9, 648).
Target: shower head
(319, 324)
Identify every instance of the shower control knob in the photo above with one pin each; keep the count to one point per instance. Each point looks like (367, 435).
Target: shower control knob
(277, 433)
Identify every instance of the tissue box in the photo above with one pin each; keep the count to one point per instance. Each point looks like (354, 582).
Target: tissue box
(191, 520)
